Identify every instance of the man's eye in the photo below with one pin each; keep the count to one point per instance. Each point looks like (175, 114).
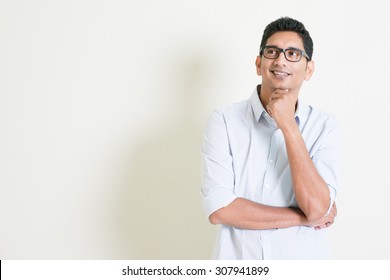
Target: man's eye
(293, 53)
(271, 51)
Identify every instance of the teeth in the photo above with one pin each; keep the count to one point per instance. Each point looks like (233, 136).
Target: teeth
(280, 74)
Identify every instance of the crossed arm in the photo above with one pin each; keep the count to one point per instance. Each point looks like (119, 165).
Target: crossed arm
(246, 214)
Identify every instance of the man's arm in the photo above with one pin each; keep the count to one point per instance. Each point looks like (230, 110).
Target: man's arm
(311, 191)
(246, 214)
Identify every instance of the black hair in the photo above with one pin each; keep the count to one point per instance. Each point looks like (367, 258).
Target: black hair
(289, 24)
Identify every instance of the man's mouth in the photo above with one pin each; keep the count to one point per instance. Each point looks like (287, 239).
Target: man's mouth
(280, 74)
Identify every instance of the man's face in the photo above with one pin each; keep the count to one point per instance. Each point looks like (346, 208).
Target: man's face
(279, 73)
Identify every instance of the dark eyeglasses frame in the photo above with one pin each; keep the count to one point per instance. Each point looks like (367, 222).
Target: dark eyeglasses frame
(303, 53)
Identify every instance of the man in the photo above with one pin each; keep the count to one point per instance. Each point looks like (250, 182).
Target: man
(270, 164)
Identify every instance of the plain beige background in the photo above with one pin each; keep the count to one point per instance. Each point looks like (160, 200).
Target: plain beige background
(103, 106)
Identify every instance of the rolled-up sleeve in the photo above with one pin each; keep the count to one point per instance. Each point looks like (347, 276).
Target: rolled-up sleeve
(217, 167)
(328, 159)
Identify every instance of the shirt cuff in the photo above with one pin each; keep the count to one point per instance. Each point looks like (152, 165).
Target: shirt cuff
(330, 206)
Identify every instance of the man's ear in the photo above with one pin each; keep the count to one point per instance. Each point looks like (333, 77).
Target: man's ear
(258, 64)
(309, 70)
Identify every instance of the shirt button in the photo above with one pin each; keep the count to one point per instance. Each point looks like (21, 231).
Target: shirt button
(267, 186)
(271, 161)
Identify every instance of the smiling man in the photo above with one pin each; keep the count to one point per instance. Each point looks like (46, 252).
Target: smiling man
(270, 164)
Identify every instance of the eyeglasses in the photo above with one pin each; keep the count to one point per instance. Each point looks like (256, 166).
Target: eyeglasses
(291, 54)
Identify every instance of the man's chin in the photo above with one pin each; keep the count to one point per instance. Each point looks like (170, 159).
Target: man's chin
(281, 85)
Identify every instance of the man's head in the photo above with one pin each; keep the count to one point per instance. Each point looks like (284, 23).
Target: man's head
(285, 56)
(289, 24)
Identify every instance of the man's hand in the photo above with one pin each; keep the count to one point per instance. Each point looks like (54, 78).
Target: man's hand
(281, 107)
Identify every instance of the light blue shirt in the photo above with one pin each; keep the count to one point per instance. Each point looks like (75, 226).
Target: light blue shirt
(244, 155)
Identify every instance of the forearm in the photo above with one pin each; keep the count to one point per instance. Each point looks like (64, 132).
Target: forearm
(311, 191)
(246, 214)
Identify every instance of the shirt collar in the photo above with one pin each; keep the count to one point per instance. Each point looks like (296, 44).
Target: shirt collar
(257, 107)
(259, 111)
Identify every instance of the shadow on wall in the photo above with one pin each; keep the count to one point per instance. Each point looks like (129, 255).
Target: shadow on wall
(161, 204)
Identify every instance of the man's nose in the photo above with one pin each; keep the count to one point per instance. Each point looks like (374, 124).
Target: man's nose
(281, 59)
